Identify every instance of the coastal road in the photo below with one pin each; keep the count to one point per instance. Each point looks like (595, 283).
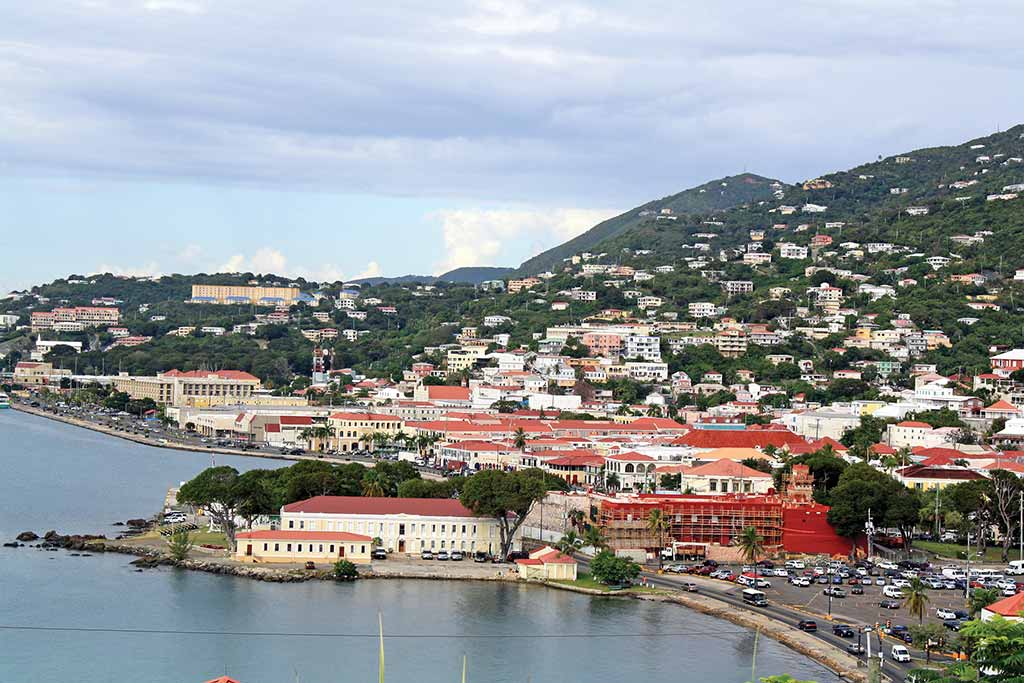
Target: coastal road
(729, 594)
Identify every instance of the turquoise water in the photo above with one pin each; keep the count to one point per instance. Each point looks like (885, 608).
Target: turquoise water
(56, 476)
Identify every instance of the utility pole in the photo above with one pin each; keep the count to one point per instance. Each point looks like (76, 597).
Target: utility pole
(1021, 529)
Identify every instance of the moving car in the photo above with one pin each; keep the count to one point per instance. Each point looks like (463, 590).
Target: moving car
(808, 625)
(689, 587)
(855, 649)
(900, 653)
(843, 630)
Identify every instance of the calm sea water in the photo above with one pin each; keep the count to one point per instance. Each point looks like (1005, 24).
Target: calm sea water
(56, 476)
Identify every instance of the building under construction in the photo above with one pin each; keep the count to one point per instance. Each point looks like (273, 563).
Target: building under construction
(707, 526)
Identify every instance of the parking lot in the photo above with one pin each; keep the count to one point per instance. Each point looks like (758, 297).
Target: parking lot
(859, 603)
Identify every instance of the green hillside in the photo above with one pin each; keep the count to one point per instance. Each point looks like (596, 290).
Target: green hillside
(710, 197)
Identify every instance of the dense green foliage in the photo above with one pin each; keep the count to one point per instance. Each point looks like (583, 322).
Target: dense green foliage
(609, 569)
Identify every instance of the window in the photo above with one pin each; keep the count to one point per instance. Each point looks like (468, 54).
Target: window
(713, 485)
(725, 486)
(288, 548)
(433, 528)
(442, 545)
(463, 529)
(331, 549)
(474, 529)
(362, 549)
(321, 547)
(401, 530)
(442, 528)
(291, 523)
(298, 548)
(265, 547)
(302, 524)
(277, 547)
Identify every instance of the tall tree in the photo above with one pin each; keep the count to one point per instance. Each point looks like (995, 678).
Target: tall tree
(658, 524)
(508, 497)
(917, 599)
(215, 490)
(1005, 503)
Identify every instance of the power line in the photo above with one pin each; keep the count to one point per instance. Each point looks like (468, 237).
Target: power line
(286, 634)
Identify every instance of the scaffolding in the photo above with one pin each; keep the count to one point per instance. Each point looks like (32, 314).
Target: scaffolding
(691, 519)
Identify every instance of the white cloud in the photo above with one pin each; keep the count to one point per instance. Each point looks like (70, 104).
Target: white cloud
(267, 260)
(150, 269)
(486, 237)
(183, 6)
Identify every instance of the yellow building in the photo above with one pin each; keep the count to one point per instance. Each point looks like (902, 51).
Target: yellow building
(465, 358)
(404, 525)
(547, 564)
(282, 545)
(196, 388)
(352, 430)
(245, 294)
(38, 373)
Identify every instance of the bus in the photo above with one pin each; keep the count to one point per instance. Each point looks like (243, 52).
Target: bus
(754, 597)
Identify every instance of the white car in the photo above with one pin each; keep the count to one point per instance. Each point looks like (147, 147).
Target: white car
(892, 592)
(803, 582)
(945, 614)
(885, 564)
(1009, 592)
(1006, 583)
(795, 564)
(900, 653)
(900, 583)
(779, 571)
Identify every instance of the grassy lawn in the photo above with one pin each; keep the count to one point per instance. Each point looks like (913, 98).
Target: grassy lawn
(198, 537)
(585, 580)
(953, 550)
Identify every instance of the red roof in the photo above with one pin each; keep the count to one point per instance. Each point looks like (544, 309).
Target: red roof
(213, 374)
(1008, 607)
(734, 438)
(359, 505)
(291, 535)
(445, 393)
(925, 472)
(223, 679)
(1003, 407)
(577, 461)
(631, 456)
(296, 420)
(912, 423)
(882, 449)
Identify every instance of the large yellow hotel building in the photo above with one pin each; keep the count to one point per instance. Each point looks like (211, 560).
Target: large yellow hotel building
(246, 294)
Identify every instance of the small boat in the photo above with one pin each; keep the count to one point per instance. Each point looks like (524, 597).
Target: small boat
(5, 400)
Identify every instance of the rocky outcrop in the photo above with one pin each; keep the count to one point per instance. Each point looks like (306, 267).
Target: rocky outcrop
(26, 536)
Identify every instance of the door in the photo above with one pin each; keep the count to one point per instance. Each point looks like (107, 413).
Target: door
(341, 551)
(401, 546)
(248, 549)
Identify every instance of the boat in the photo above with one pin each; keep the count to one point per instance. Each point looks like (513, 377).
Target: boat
(5, 401)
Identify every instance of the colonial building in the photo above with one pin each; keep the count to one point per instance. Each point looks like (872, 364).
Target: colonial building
(284, 545)
(403, 525)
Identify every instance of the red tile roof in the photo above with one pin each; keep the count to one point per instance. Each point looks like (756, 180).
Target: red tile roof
(444, 393)
(735, 438)
(366, 417)
(213, 374)
(925, 472)
(726, 468)
(223, 679)
(292, 535)
(631, 456)
(1008, 607)
(912, 423)
(358, 505)
(296, 420)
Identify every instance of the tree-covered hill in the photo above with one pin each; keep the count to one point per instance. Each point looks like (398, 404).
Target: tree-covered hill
(710, 197)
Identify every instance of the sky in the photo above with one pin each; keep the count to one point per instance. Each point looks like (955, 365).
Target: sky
(340, 140)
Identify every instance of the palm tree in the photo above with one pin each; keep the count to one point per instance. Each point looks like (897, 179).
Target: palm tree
(657, 524)
(569, 543)
(576, 518)
(917, 599)
(306, 434)
(751, 546)
(594, 537)
(372, 485)
(611, 481)
(519, 439)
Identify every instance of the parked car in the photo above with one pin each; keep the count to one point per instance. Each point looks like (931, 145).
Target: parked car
(443, 556)
(944, 614)
(456, 556)
(480, 556)
(953, 624)
(843, 630)
(426, 555)
(808, 625)
(380, 554)
(889, 604)
(835, 592)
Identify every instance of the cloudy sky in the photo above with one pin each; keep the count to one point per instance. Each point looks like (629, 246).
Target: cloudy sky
(332, 141)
